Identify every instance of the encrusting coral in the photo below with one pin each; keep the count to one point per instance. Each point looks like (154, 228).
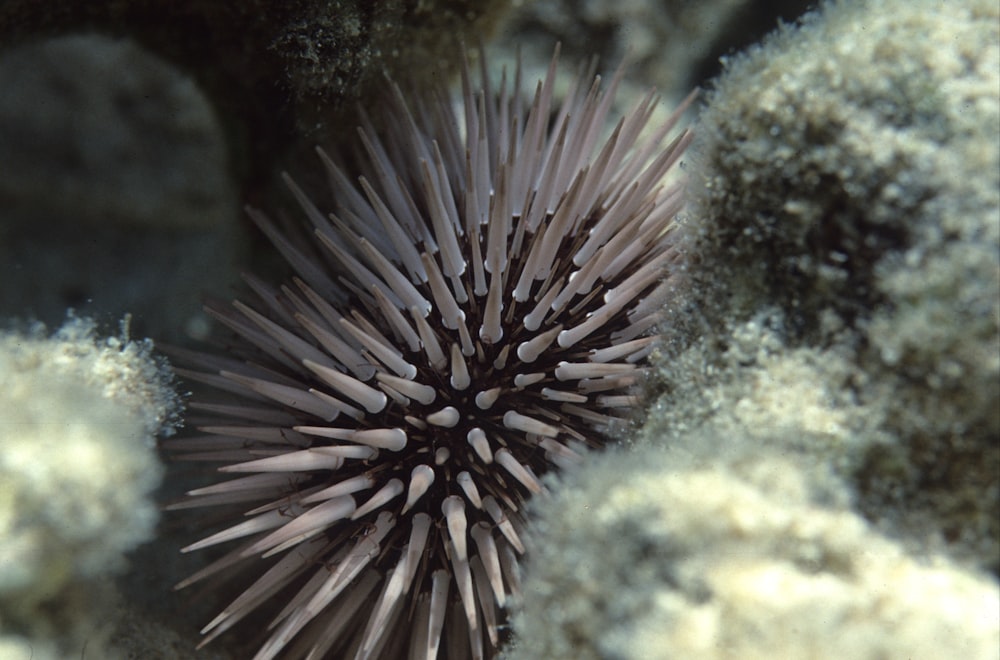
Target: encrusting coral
(843, 141)
(721, 548)
(851, 179)
(819, 473)
(78, 465)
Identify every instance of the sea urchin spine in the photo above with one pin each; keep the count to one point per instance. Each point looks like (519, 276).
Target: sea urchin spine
(475, 311)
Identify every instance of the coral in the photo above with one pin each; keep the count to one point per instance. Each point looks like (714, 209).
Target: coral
(836, 145)
(818, 474)
(78, 467)
(851, 180)
(745, 380)
(720, 548)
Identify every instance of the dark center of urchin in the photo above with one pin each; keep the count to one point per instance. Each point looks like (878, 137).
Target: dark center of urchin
(491, 396)
(384, 443)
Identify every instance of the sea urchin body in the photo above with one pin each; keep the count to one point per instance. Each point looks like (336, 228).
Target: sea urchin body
(472, 313)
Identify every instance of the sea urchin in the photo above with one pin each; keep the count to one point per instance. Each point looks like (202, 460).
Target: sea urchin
(472, 313)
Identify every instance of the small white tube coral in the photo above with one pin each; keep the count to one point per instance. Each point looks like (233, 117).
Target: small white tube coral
(78, 465)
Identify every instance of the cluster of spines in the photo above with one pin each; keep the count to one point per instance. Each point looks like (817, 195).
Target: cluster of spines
(499, 293)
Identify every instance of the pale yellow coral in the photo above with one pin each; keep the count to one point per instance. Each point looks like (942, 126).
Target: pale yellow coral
(78, 466)
(713, 549)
